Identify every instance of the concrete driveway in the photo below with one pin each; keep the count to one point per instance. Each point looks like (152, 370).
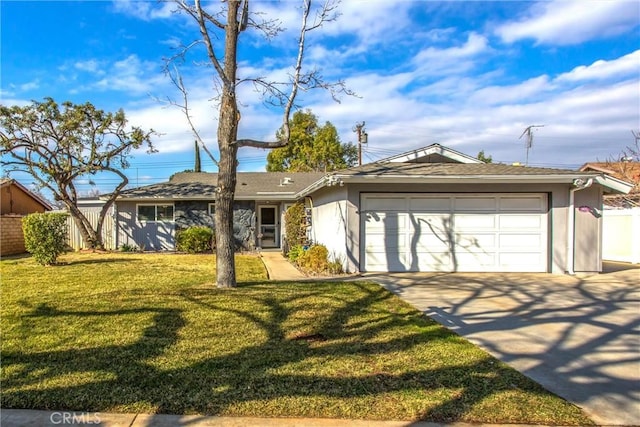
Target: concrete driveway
(577, 336)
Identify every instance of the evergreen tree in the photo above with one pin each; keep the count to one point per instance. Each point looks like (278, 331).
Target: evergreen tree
(311, 147)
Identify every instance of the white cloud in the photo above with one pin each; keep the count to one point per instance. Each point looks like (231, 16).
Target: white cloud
(451, 60)
(144, 10)
(130, 74)
(34, 84)
(582, 123)
(91, 65)
(476, 44)
(628, 65)
(522, 92)
(566, 22)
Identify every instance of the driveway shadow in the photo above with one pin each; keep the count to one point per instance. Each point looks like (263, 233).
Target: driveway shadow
(578, 337)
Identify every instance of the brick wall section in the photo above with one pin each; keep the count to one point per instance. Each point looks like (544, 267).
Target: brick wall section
(11, 235)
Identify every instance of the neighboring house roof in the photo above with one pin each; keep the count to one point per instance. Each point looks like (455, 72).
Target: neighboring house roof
(7, 182)
(434, 153)
(625, 171)
(250, 186)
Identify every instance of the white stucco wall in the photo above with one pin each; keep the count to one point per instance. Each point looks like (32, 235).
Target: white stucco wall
(329, 215)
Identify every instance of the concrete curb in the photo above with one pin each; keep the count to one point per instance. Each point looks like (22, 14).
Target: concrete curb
(34, 418)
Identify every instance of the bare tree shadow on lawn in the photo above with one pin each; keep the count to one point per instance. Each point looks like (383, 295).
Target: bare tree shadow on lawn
(266, 373)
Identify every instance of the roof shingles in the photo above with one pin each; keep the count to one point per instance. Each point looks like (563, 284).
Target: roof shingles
(202, 185)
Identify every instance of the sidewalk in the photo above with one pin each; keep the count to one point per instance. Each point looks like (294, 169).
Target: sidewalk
(31, 418)
(279, 268)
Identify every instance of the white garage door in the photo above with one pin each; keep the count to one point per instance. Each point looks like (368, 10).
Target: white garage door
(454, 232)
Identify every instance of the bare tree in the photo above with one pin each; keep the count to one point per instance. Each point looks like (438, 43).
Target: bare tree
(219, 34)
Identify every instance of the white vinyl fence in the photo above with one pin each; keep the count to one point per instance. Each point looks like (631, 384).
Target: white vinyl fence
(108, 231)
(621, 235)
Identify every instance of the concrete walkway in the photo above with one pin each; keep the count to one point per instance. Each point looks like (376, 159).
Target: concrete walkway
(29, 418)
(279, 268)
(579, 337)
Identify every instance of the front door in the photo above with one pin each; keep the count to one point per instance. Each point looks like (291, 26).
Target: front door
(268, 226)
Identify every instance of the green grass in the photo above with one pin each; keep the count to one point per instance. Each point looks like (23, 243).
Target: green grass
(151, 333)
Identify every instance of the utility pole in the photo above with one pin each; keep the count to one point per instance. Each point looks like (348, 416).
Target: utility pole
(362, 139)
(529, 143)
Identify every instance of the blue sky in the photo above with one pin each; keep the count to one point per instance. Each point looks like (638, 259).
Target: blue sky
(471, 75)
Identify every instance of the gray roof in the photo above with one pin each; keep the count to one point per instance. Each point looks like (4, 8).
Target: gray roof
(250, 186)
(452, 169)
(430, 164)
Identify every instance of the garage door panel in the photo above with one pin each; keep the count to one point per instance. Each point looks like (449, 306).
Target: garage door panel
(494, 232)
(474, 242)
(531, 241)
(383, 261)
(475, 222)
(481, 261)
(522, 204)
(382, 242)
(386, 222)
(434, 223)
(434, 261)
(429, 243)
(391, 204)
(519, 222)
(474, 204)
(430, 204)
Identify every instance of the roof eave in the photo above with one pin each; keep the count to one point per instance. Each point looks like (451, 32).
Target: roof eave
(436, 179)
(615, 185)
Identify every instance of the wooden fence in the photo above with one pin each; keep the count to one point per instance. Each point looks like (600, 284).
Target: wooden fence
(621, 235)
(108, 231)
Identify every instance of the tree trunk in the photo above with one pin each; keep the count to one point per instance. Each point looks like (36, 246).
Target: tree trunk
(92, 238)
(227, 135)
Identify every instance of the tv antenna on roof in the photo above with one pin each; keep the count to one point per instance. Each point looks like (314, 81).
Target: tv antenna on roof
(529, 132)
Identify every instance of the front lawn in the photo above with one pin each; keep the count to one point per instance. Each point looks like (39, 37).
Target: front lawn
(150, 333)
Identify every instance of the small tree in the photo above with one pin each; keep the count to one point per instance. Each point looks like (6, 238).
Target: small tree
(483, 158)
(59, 146)
(45, 236)
(311, 147)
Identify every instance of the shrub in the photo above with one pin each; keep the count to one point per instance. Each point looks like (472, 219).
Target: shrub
(335, 267)
(45, 236)
(295, 228)
(196, 239)
(295, 252)
(315, 259)
(128, 248)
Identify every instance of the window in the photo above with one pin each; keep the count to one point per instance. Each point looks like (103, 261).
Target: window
(155, 212)
(212, 208)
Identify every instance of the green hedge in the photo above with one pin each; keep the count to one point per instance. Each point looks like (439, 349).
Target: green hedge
(45, 236)
(197, 239)
(295, 228)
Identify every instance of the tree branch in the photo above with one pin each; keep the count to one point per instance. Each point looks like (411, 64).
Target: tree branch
(176, 79)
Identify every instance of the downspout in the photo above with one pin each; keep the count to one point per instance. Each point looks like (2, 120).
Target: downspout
(579, 184)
